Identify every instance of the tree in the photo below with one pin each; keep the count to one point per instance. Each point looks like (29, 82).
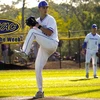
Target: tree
(23, 7)
(85, 12)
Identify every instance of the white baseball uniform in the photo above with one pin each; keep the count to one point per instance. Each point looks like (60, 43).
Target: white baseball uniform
(92, 42)
(48, 44)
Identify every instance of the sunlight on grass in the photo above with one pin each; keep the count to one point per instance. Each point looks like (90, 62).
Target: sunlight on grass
(55, 82)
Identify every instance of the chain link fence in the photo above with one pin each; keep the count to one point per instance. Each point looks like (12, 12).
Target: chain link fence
(68, 54)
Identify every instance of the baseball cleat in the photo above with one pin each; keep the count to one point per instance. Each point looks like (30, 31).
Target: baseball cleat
(87, 75)
(39, 94)
(95, 76)
(21, 54)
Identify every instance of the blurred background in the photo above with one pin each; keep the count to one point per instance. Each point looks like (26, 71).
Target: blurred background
(74, 19)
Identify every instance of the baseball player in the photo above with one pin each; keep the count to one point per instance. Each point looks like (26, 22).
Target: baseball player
(44, 31)
(92, 46)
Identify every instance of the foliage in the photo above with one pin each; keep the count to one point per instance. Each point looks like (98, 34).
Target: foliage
(75, 16)
(68, 17)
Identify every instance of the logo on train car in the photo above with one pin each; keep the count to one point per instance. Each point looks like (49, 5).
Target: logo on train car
(7, 26)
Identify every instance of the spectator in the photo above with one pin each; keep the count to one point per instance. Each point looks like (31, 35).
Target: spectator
(4, 49)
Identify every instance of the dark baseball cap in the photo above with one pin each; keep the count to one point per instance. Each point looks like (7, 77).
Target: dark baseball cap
(43, 4)
(94, 26)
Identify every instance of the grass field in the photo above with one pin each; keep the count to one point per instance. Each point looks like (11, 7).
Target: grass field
(64, 82)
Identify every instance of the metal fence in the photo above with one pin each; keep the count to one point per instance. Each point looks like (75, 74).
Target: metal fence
(68, 54)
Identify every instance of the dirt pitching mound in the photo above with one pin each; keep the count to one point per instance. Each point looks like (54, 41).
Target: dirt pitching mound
(46, 98)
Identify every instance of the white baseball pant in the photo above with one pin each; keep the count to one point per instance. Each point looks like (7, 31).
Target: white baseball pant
(47, 47)
(91, 54)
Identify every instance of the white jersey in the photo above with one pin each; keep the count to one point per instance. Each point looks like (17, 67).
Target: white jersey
(50, 23)
(92, 41)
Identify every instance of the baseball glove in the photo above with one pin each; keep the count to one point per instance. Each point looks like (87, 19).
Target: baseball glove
(98, 53)
(31, 21)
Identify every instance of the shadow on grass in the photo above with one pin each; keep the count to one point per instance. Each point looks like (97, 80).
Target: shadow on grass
(83, 92)
(82, 79)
